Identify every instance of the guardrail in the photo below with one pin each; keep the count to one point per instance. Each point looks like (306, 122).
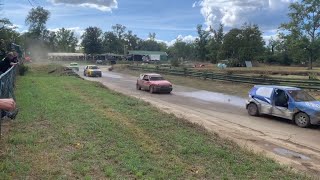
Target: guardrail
(301, 83)
(7, 82)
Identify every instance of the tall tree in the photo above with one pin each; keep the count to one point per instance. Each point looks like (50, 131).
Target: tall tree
(243, 44)
(252, 43)
(215, 43)
(202, 42)
(231, 44)
(92, 40)
(304, 26)
(37, 19)
(152, 36)
(66, 40)
(132, 40)
(182, 50)
(52, 41)
(150, 45)
(111, 43)
(119, 30)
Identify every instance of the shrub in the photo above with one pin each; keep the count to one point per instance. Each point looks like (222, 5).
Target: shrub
(23, 69)
(313, 76)
(175, 63)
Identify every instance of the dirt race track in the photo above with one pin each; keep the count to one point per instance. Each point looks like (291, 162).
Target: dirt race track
(226, 116)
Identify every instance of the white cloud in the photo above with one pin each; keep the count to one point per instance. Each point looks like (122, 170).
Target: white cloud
(14, 26)
(102, 5)
(77, 30)
(268, 14)
(187, 39)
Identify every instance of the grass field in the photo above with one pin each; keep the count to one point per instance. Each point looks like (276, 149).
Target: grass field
(69, 128)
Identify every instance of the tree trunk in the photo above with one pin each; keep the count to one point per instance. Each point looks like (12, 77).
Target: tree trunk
(310, 62)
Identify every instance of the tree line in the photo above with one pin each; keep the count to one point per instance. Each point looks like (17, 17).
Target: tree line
(297, 42)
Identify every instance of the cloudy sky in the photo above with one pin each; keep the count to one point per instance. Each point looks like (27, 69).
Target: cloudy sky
(169, 19)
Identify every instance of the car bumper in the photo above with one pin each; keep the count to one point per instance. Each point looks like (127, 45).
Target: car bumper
(94, 74)
(315, 120)
(162, 89)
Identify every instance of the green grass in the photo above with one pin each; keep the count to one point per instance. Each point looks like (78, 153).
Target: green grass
(69, 128)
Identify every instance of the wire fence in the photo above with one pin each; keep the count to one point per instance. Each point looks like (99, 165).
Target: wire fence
(7, 84)
(301, 83)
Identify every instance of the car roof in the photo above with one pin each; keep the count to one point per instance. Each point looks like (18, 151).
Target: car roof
(278, 87)
(151, 74)
(92, 65)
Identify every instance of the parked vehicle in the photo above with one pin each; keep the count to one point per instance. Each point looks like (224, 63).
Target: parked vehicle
(92, 71)
(153, 83)
(285, 102)
(103, 62)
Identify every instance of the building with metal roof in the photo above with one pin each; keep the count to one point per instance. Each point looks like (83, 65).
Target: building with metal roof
(147, 56)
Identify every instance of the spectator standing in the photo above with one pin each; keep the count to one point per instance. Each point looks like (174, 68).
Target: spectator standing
(7, 63)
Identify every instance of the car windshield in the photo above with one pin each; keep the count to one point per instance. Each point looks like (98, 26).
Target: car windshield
(93, 67)
(300, 96)
(156, 78)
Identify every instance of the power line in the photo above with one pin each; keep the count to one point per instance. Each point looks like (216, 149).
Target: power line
(30, 3)
(36, 2)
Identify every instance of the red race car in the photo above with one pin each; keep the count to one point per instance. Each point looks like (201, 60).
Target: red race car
(153, 83)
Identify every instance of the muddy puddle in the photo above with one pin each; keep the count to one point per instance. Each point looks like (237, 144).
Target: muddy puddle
(111, 75)
(215, 97)
(291, 154)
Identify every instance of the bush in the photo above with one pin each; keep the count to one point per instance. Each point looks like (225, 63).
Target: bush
(23, 69)
(313, 76)
(175, 63)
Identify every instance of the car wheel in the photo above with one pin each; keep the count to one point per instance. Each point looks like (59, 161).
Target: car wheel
(253, 109)
(151, 89)
(84, 73)
(138, 87)
(302, 120)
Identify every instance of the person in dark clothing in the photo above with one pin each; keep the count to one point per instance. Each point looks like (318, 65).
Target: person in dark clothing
(7, 63)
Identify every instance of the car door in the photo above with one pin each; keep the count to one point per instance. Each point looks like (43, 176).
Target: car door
(280, 104)
(263, 97)
(145, 82)
(140, 80)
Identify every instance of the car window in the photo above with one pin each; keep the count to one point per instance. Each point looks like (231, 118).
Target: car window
(301, 96)
(264, 91)
(93, 67)
(146, 78)
(280, 98)
(156, 78)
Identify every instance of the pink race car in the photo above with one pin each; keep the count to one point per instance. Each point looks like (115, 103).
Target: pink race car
(153, 83)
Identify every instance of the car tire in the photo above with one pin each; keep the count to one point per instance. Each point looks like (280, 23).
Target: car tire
(302, 119)
(84, 74)
(151, 90)
(138, 87)
(253, 109)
